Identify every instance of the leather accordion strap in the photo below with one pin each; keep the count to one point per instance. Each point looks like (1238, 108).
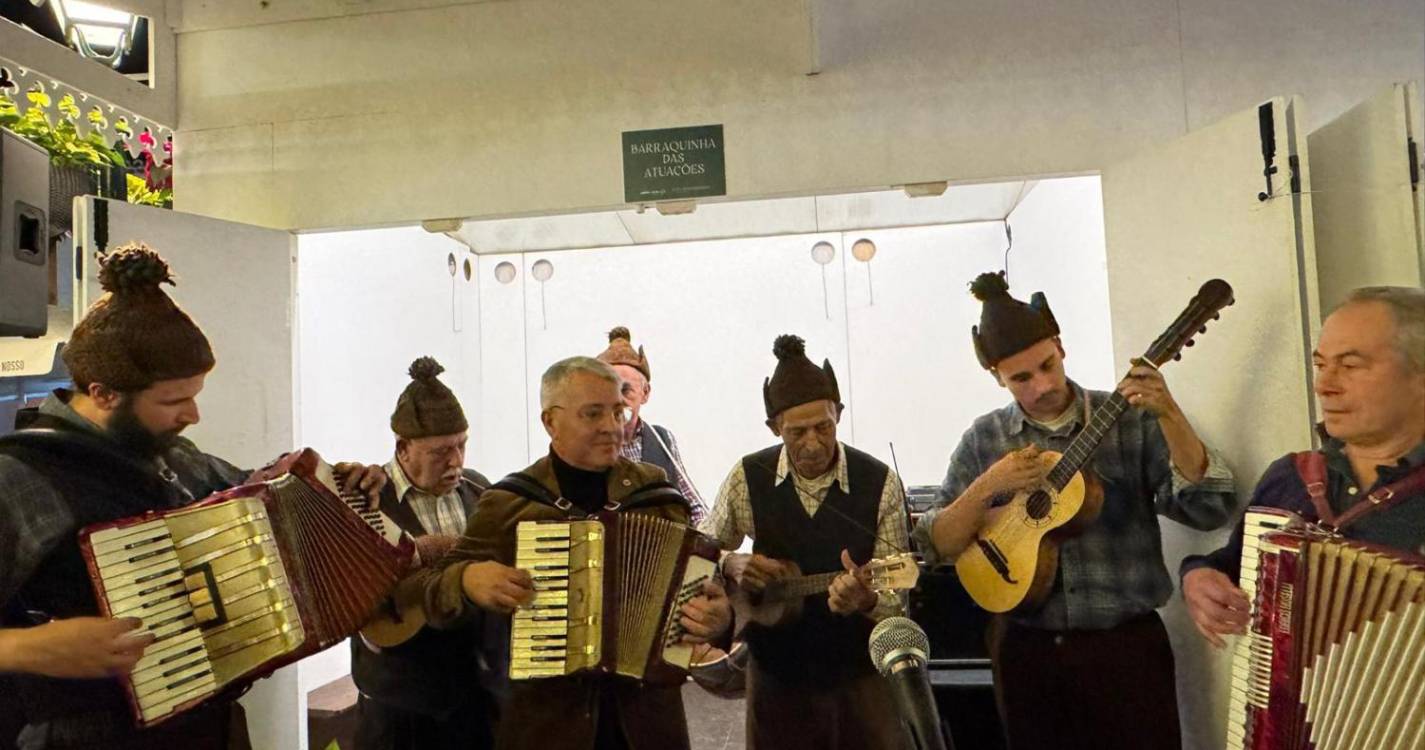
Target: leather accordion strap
(1311, 467)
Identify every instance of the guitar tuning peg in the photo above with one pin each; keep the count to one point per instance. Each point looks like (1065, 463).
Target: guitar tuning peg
(1218, 316)
(1177, 357)
(1190, 342)
(1202, 329)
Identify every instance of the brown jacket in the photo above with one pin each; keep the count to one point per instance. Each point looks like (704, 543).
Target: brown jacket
(558, 712)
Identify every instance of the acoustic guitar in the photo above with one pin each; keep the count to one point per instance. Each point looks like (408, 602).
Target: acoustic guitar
(781, 601)
(1010, 566)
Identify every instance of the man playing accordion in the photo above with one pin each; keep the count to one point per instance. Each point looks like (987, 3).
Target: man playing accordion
(583, 412)
(107, 450)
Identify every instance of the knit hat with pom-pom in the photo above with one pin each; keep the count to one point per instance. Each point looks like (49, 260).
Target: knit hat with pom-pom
(427, 407)
(134, 335)
(1007, 326)
(621, 352)
(796, 380)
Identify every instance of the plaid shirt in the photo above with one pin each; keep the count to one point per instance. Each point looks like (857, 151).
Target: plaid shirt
(443, 514)
(1114, 570)
(34, 519)
(632, 449)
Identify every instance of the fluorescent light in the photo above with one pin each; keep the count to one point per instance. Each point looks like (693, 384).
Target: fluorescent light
(97, 32)
(80, 12)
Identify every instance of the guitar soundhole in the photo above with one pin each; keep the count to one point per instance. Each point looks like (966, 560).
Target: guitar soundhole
(1038, 505)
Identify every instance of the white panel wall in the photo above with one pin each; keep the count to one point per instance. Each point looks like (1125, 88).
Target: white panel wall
(371, 302)
(917, 381)
(706, 313)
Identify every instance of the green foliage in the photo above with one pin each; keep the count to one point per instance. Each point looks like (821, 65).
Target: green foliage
(67, 148)
(140, 193)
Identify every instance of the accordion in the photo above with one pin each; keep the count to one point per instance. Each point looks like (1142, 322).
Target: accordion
(1334, 656)
(241, 583)
(607, 596)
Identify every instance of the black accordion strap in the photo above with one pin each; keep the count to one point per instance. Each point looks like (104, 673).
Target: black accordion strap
(529, 488)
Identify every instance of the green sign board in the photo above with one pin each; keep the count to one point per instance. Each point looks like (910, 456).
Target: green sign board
(673, 164)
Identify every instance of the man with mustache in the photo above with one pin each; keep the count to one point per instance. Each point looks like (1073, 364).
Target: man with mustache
(109, 449)
(584, 413)
(1370, 380)
(421, 695)
(1092, 667)
(814, 504)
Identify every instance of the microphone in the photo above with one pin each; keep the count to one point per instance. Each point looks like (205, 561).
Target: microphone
(898, 649)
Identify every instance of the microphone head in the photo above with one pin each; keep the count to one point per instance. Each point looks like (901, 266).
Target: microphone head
(894, 637)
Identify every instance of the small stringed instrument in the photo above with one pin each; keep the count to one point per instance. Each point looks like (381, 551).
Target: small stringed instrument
(1010, 565)
(781, 601)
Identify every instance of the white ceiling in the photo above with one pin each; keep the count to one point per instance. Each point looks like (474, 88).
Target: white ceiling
(848, 212)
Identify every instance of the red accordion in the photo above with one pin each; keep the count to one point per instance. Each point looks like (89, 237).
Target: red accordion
(244, 582)
(1334, 657)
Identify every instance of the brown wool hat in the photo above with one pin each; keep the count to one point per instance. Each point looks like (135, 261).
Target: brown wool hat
(621, 352)
(796, 380)
(134, 335)
(427, 407)
(1007, 326)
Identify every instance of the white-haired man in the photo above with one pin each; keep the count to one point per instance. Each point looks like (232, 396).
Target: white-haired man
(583, 411)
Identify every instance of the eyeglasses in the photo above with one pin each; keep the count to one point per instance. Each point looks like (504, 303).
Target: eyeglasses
(596, 413)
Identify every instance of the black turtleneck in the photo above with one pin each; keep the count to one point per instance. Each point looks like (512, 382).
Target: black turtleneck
(589, 490)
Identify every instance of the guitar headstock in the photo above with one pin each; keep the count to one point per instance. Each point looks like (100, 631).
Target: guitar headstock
(1205, 307)
(895, 573)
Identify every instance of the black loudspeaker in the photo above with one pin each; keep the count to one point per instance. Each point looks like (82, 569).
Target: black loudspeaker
(24, 237)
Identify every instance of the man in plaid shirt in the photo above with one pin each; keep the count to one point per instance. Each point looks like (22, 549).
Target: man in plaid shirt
(644, 442)
(1092, 667)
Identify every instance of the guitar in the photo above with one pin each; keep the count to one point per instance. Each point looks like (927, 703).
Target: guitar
(781, 601)
(1011, 564)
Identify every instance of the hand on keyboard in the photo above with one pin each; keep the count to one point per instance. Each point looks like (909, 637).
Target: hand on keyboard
(706, 616)
(79, 647)
(496, 587)
(1216, 606)
(368, 480)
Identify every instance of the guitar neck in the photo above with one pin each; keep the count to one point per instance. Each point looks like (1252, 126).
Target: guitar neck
(1088, 439)
(797, 588)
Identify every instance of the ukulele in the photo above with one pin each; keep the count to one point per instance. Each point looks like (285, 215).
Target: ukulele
(781, 601)
(1010, 565)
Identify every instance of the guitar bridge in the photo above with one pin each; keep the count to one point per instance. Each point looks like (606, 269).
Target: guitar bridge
(996, 558)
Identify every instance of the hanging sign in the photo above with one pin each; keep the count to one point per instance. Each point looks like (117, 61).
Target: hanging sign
(673, 164)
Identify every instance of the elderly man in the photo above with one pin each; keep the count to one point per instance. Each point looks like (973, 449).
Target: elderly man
(109, 449)
(583, 412)
(824, 506)
(420, 695)
(1370, 379)
(649, 443)
(1093, 666)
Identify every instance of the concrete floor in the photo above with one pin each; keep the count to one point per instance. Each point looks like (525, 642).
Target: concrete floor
(714, 723)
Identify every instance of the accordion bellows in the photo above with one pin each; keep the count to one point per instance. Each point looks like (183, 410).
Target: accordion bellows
(607, 596)
(241, 583)
(1334, 657)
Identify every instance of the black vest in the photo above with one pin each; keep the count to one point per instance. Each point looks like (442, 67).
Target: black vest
(653, 452)
(437, 671)
(100, 482)
(821, 647)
